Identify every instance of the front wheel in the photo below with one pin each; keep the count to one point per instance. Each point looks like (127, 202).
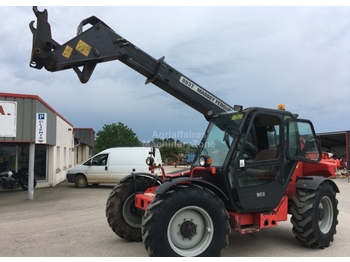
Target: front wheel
(122, 216)
(80, 181)
(315, 216)
(187, 221)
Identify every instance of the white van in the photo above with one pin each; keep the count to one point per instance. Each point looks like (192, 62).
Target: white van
(111, 165)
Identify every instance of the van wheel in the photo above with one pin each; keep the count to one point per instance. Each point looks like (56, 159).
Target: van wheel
(80, 181)
(122, 216)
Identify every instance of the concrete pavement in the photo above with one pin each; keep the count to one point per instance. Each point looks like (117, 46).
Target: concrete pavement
(65, 221)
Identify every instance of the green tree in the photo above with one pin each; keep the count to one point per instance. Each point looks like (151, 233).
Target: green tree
(169, 148)
(115, 136)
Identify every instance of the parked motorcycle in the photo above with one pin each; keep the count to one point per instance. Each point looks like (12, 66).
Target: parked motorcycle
(11, 180)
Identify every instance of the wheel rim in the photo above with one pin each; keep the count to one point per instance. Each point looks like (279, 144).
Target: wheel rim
(325, 215)
(81, 182)
(131, 214)
(190, 231)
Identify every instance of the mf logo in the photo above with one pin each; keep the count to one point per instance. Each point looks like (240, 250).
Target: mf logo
(2, 111)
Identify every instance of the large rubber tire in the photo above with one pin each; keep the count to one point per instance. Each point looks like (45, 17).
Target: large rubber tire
(80, 181)
(24, 183)
(186, 221)
(122, 216)
(315, 216)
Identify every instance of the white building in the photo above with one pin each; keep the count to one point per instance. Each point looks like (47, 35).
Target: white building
(27, 121)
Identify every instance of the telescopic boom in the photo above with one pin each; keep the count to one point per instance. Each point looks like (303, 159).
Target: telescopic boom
(99, 43)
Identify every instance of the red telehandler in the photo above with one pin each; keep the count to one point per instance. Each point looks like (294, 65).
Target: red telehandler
(251, 169)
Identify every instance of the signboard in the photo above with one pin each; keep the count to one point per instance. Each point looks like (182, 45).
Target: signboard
(40, 129)
(8, 118)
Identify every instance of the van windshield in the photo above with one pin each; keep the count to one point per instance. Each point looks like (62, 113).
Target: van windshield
(87, 162)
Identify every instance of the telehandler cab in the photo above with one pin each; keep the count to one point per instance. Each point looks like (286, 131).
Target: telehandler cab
(253, 167)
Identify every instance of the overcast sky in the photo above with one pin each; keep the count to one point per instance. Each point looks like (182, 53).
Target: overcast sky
(252, 56)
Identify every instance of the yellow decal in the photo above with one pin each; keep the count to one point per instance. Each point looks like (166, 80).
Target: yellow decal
(236, 116)
(67, 51)
(83, 48)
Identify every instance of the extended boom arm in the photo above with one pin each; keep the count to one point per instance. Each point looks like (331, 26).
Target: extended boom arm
(100, 43)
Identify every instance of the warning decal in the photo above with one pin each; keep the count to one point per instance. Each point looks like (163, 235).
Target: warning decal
(83, 48)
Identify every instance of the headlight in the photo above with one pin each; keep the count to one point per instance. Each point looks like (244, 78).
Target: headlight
(149, 161)
(205, 160)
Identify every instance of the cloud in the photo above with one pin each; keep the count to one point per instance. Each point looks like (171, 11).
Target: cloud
(254, 56)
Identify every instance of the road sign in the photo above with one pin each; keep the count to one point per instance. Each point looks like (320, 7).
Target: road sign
(40, 133)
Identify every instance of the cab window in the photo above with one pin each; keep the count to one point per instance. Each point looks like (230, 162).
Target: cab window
(99, 160)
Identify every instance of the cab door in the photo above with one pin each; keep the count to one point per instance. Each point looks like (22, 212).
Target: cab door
(97, 172)
(258, 170)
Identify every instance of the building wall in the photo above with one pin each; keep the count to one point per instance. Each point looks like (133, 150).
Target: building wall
(60, 155)
(84, 142)
(27, 107)
(64, 147)
(339, 151)
(85, 135)
(82, 153)
(63, 150)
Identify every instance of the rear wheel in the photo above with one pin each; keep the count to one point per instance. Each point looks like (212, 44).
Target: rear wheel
(24, 183)
(315, 216)
(80, 181)
(122, 216)
(187, 221)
